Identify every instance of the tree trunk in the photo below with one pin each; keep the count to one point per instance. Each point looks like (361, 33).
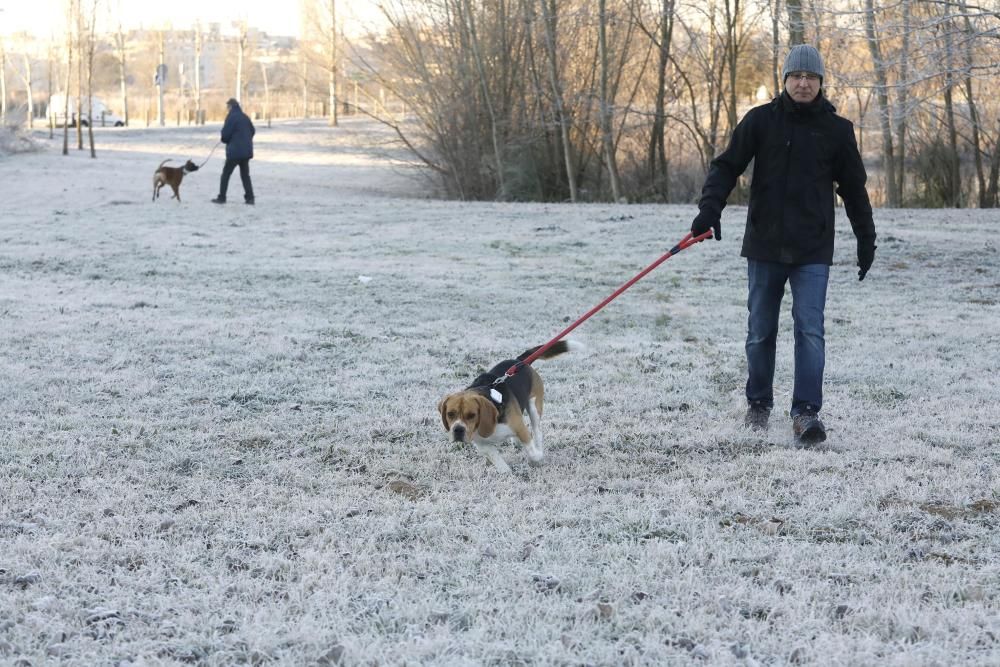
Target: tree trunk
(606, 106)
(882, 98)
(332, 64)
(48, 82)
(732, 49)
(69, 76)
(796, 24)
(549, 18)
(122, 71)
(528, 10)
(716, 92)
(954, 161)
(198, 42)
(305, 85)
(902, 113)
(28, 82)
(657, 153)
(239, 62)
(977, 151)
(993, 185)
(79, 76)
(160, 83)
(3, 85)
(775, 73)
(267, 95)
(487, 97)
(91, 46)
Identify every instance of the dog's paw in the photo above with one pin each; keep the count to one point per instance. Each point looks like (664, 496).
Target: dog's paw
(534, 453)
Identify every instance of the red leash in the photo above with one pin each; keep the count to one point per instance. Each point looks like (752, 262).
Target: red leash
(686, 242)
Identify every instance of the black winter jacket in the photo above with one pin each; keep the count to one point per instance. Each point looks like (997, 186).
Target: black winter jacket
(237, 134)
(799, 151)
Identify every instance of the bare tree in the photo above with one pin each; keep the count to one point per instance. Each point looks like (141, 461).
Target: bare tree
(71, 7)
(899, 183)
(3, 83)
(607, 105)
(661, 37)
(121, 51)
(51, 56)
(322, 50)
(304, 64)
(531, 107)
(90, 28)
(267, 94)
(465, 10)
(773, 7)
(161, 75)
(969, 35)
(80, 47)
(704, 70)
(332, 62)
(199, 118)
(240, 56)
(882, 98)
(550, 17)
(796, 24)
(29, 90)
(953, 170)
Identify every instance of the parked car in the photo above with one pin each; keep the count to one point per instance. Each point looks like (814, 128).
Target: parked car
(101, 114)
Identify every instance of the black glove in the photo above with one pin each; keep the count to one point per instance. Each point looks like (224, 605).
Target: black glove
(707, 219)
(866, 255)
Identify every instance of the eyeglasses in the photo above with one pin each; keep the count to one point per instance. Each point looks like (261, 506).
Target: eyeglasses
(804, 76)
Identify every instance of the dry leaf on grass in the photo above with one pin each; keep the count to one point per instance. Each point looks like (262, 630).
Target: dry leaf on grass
(405, 489)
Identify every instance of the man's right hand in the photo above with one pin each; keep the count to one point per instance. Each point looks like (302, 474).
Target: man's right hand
(705, 221)
(866, 255)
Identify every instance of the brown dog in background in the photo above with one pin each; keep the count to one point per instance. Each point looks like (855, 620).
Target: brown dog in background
(171, 176)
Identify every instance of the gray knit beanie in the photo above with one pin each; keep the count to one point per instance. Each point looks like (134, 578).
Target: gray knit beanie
(803, 58)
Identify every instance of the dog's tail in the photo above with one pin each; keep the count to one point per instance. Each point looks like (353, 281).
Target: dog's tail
(164, 162)
(560, 347)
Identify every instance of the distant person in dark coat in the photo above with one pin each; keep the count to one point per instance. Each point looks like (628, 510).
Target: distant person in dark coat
(237, 135)
(801, 147)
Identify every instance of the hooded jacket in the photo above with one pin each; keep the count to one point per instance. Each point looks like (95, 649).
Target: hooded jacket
(799, 151)
(237, 134)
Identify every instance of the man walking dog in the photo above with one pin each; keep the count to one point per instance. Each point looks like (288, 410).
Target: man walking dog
(800, 147)
(237, 135)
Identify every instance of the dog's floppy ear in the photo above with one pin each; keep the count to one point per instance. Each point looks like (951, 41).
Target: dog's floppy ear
(443, 408)
(487, 416)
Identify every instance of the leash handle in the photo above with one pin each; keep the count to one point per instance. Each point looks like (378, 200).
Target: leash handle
(685, 243)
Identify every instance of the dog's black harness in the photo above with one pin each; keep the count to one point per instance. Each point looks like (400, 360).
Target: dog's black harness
(518, 386)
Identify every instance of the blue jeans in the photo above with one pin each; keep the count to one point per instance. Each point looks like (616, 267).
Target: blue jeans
(766, 289)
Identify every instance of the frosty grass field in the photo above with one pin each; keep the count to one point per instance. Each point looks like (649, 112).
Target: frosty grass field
(219, 443)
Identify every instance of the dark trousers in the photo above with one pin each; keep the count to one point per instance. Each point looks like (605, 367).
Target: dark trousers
(767, 287)
(227, 171)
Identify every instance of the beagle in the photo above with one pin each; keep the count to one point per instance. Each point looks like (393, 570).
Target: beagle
(487, 414)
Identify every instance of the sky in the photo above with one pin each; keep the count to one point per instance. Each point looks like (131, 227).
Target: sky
(277, 17)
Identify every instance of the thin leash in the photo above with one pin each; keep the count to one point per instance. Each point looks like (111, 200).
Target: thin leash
(209, 155)
(685, 243)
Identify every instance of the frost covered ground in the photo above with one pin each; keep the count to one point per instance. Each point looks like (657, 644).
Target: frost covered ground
(219, 444)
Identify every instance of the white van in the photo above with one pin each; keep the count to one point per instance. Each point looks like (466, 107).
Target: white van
(102, 115)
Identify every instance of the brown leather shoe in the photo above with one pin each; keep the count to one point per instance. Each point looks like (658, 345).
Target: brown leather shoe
(756, 417)
(808, 428)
